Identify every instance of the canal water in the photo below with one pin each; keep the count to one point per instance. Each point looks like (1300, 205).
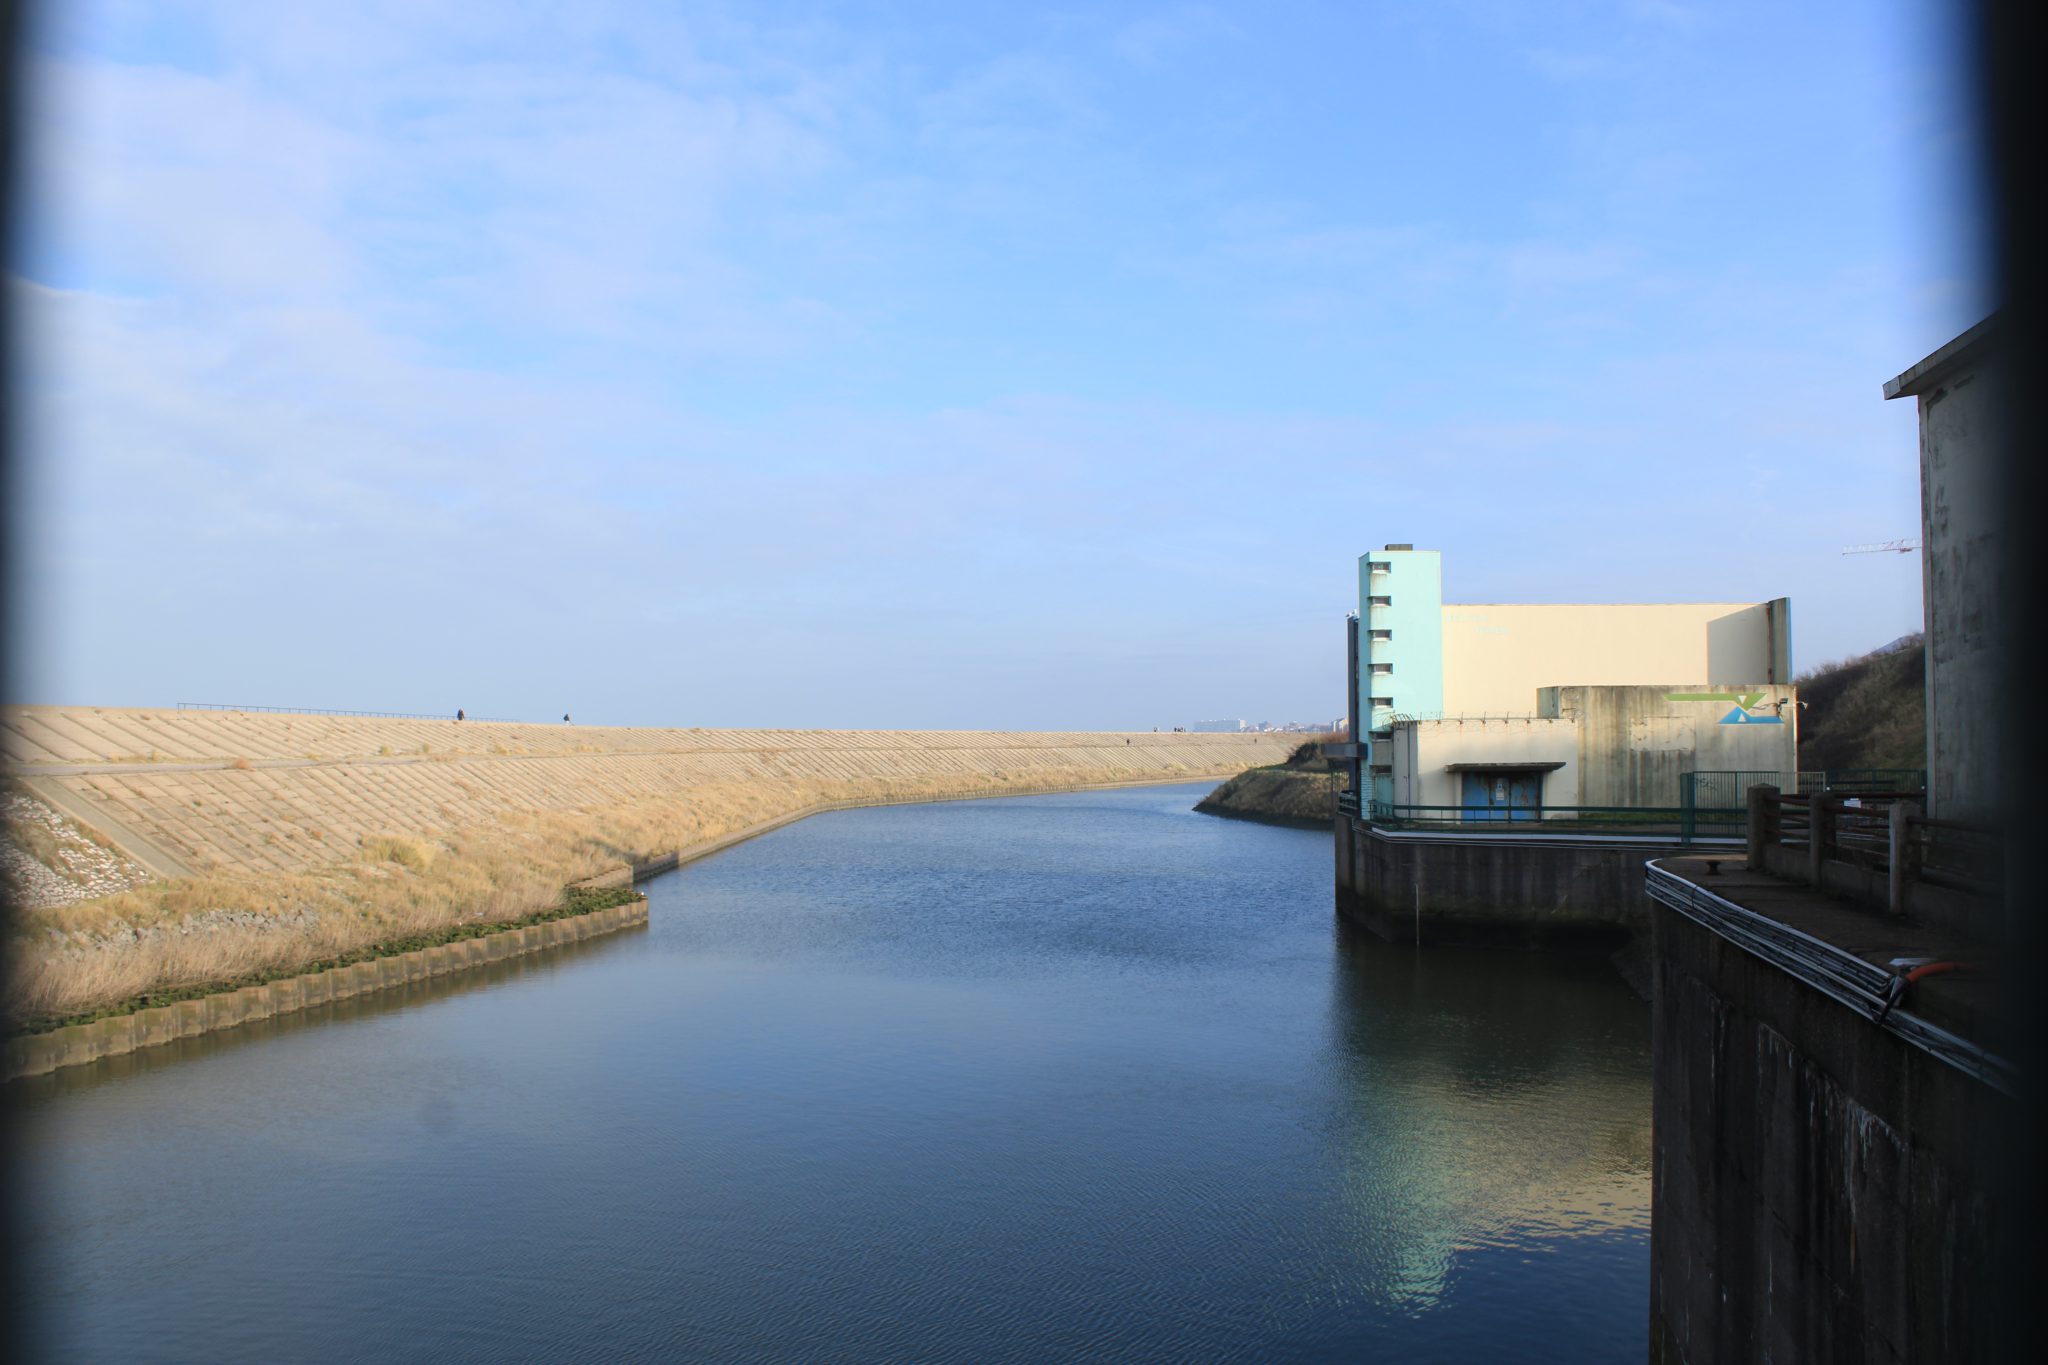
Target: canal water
(1068, 1077)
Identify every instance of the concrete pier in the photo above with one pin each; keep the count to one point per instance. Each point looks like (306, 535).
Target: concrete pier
(1508, 889)
(1823, 1166)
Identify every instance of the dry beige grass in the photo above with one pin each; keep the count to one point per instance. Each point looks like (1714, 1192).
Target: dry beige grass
(224, 923)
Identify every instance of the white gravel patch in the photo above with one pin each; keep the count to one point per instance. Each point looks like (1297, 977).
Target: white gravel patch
(89, 871)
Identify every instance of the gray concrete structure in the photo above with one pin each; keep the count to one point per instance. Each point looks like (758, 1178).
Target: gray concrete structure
(1834, 1095)
(1822, 1164)
(1558, 891)
(1961, 390)
(1635, 744)
(1819, 1189)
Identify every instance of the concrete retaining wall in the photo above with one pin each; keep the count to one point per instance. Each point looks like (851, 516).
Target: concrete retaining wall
(1823, 1190)
(1531, 892)
(35, 1054)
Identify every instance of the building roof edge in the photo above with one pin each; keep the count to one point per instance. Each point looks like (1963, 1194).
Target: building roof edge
(1934, 368)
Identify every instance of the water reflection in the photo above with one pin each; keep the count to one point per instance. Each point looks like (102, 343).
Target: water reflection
(1077, 1077)
(1491, 1100)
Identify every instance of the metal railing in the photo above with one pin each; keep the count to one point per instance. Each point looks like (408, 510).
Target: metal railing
(1682, 825)
(1713, 789)
(1844, 977)
(1883, 833)
(330, 711)
(1856, 781)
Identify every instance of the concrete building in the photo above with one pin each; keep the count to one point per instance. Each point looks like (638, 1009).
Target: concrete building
(1962, 397)
(1507, 706)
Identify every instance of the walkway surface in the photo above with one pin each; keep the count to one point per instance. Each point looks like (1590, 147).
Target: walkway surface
(1966, 1003)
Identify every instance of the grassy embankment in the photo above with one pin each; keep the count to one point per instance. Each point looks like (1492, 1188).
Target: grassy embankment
(395, 892)
(1299, 792)
(1866, 712)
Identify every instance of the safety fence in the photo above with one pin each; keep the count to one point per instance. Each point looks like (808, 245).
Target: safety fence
(1858, 781)
(330, 711)
(1884, 834)
(1680, 824)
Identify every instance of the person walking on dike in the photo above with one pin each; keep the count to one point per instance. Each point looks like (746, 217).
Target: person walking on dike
(458, 713)
(565, 718)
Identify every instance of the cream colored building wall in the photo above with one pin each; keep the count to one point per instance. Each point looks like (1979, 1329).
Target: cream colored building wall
(1741, 646)
(1496, 655)
(1423, 750)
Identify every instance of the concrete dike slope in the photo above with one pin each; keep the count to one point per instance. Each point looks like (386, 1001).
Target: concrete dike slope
(185, 792)
(255, 842)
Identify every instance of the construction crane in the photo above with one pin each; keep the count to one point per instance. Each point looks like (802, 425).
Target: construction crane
(1900, 546)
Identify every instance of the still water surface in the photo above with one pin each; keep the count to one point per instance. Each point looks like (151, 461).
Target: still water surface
(1067, 1077)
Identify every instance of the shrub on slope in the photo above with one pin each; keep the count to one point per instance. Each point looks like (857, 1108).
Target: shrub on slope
(1866, 712)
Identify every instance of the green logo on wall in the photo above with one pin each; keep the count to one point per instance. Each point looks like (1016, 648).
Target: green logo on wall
(1742, 714)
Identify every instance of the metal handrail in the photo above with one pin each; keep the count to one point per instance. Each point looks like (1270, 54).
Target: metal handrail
(1683, 825)
(1841, 976)
(330, 711)
(1730, 813)
(1857, 781)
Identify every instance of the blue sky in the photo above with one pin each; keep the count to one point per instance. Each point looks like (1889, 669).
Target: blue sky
(937, 365)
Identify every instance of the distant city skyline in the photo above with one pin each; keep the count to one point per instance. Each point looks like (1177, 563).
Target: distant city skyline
(1265, 726)
(910, 367)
